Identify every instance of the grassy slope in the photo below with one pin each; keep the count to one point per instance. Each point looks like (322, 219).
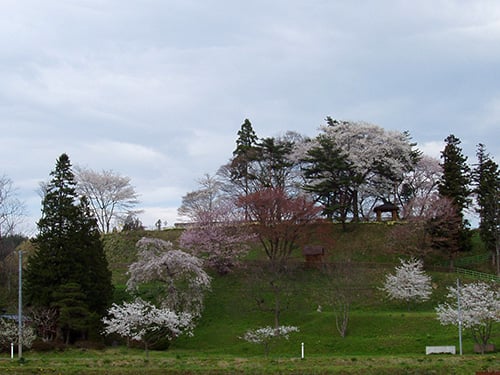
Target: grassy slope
(376, 326)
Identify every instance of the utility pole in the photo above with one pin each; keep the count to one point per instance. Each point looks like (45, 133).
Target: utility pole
(20, 307)
(459, 308)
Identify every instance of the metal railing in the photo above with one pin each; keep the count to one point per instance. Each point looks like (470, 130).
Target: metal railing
(478, 275)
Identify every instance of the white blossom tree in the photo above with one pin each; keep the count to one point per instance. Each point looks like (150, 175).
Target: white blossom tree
(179, 275)
(409, 283)
(267, 335)
(9, 334)
(12, 210)
(142, 321)
(479, 309)
(378, 158)
(420, 187)
(111, 196)
(207, 198)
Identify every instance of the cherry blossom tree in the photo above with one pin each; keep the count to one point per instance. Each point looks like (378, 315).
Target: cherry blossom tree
(479, 309)
(281, 224)
(207, 198)
(267, 335)
(111, 196)
(9, 333)
(379, 159)
(12, 210)
(419, 187)
(180, 276)
(280, 220)
(409, 283)
(218, 238)
(142, 321)
(44, 320)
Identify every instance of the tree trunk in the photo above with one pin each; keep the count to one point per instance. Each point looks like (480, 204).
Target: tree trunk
(355, 208)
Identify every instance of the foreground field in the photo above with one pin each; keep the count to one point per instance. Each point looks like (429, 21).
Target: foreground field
(133, 361)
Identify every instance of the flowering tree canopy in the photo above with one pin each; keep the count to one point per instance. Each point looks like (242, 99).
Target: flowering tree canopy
(379, 158)
(280, 220)
(181, 276)
(479, 309)
(409, 283)
(111, 196)
(139, 319)
(9, 334)
(266, 335)
(420, 186)
(218, 238)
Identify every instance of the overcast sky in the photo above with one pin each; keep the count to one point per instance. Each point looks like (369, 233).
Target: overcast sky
(157, 89)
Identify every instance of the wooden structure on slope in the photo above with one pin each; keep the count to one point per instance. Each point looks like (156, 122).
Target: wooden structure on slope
(314, 254)
(387, 207)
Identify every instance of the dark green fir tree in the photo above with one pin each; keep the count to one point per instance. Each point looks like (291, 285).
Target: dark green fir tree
(487, 190)
(329, 177)
(244, 154)
(455, 185)
(69, 252)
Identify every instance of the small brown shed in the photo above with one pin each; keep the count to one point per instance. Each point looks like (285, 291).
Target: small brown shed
(387, 207)
(314, 254)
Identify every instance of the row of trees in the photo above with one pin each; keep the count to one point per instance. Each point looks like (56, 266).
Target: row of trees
(347, 170)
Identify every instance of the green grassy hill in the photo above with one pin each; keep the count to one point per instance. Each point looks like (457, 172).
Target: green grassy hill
(360, 258)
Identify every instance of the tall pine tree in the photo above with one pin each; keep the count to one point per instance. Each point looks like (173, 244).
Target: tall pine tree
(329, 177)
(69, 251)
(455, 184)
(487, 189)
(243, 155)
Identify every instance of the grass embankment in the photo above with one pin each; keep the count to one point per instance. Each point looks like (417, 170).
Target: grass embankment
(383, 337)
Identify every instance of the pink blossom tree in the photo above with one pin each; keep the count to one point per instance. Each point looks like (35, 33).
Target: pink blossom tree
(280, 220)
(218, 238)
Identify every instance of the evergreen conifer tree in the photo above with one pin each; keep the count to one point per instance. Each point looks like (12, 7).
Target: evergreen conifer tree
(487, 189)
(329, 176)
(455, 184)
(69, 251)
(243, 155)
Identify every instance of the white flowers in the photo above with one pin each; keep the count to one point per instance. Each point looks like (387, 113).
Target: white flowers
(410, 283)
(183, 282)
(259, 335)
(181, 275)
(266, 335)
(9, 333)
(479, 308)
(136, 319)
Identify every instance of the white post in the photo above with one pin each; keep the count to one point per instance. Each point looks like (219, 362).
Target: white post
(302, 351)
(11, 350)
(20, 307)
(459, 317)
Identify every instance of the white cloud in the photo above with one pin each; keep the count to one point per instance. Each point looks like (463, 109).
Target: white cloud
(432, 148)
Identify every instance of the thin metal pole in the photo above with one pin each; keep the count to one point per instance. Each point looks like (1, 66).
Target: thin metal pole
(20, 307)
(459, 317)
